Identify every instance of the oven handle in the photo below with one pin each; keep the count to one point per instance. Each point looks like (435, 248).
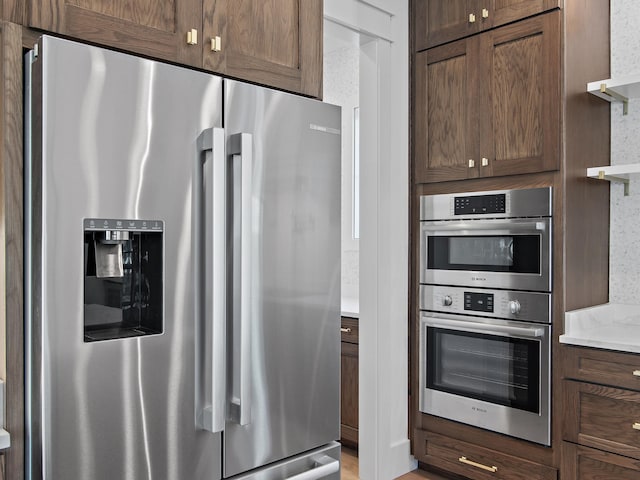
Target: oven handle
(538, 226)
(475, 327)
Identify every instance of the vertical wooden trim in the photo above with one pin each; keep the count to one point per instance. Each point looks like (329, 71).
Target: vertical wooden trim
(11, 241)
(587, 134)
(14, 11)
(569, 461)
(310, 49)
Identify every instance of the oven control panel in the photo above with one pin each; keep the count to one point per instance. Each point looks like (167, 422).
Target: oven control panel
(480, 204)
(510, 305)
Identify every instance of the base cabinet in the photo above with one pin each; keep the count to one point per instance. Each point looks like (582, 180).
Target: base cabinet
(349, 383)
(601, 422)
(476, 462)
(584, 463)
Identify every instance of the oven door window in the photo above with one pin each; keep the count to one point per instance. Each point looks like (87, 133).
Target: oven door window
(495, 253)
(492, 368)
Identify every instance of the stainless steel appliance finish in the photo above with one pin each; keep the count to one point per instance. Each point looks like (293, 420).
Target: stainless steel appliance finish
(472, 375)
(293, 353)
(497, 239)
(531, 202)
(485, 301)
(505, 304)
(248, 349)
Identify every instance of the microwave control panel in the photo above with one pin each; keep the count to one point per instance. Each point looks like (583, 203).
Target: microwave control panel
(528, 202)
(506, 304)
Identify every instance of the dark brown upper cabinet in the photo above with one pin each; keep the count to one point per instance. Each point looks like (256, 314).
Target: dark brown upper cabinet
(442, 21)
(147, 27)
(277, 43)
(272, 42)
(489, 105)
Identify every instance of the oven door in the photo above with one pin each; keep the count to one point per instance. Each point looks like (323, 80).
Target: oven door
(489, 373)
(498, 253)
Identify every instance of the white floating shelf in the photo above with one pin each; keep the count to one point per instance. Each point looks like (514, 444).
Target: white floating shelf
(5, 439)
(616, 89)
(615, 173)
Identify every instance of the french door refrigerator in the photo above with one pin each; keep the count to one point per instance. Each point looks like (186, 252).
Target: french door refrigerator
(182, 273)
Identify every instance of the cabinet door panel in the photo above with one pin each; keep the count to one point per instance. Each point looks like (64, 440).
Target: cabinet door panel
(521, 97)
(272, 42)
(603, 366)
(506, 11)
(441, 21)
(473, 461)
(349, 394)
(582, 463)
(147, 27)
(446, 132)
(603, 417)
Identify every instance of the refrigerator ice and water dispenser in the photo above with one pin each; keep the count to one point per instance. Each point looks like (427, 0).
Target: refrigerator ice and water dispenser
(123, 285)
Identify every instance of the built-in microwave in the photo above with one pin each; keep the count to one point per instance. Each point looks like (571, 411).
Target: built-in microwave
(497, 239)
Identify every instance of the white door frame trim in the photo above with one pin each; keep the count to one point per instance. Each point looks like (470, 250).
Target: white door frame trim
(384, 450)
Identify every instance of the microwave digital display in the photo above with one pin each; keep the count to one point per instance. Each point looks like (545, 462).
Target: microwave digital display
(479, 204)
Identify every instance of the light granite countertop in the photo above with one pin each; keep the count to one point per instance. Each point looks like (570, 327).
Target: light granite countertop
(350, 307)
(611, 326)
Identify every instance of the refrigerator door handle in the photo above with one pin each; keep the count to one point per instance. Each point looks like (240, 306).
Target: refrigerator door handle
(240, 147)
(210, 212)
(324, 466)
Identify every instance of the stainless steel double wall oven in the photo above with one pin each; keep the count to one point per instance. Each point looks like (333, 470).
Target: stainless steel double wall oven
(485, 310)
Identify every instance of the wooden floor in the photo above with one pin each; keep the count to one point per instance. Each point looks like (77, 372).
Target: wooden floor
(350, 469)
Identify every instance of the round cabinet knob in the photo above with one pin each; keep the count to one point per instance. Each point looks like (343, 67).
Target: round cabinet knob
(447, 300)
(514, 307)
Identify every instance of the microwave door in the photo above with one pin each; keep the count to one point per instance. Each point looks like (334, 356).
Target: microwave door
(513, 254)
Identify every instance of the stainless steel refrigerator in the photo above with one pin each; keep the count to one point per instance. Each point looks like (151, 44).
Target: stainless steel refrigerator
(182, 273)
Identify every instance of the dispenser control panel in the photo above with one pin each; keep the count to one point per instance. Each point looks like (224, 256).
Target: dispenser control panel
(102, 224)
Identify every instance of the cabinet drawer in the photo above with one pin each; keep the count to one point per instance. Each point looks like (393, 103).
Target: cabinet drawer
(603, 417)
(604, 367)
(349, 330)
(583, 463)
(476, 462)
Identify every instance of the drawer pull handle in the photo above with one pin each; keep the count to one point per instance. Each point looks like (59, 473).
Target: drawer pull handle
(345, 330)
(493, 469)
(636, 373)
(636, 426)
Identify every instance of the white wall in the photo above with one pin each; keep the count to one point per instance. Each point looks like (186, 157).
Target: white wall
(341, 87)
(624, 281)
(384, 71)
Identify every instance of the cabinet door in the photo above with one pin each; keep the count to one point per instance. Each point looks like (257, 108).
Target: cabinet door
(506, 11)
(148, 27)
(271, 42)
(602, 417)
(441, 21)
(445, 112)
(349, 394)
(474, 461)
(520, 97)
(582, 463)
